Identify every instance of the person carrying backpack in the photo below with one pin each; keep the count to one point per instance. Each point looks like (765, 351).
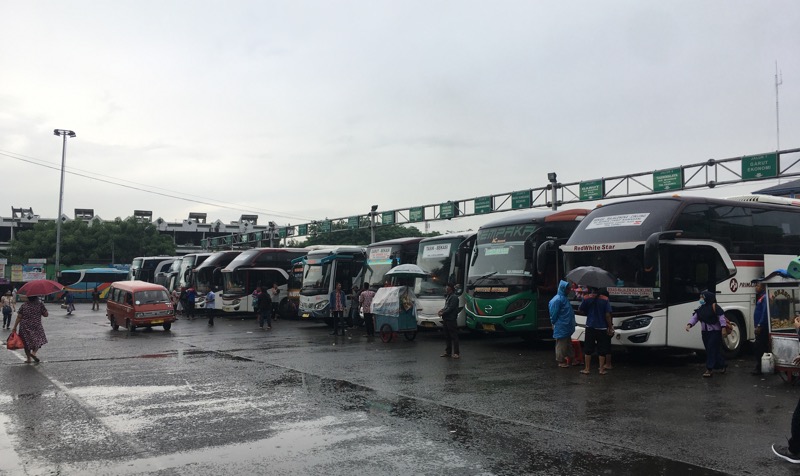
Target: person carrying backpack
(712, 320)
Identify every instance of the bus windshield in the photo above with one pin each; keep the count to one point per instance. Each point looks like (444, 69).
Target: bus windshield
(245, 281)
(437, 259)
(498, 261)
(317, 277)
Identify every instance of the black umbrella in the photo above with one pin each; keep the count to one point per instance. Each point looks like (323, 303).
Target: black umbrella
(592, 276)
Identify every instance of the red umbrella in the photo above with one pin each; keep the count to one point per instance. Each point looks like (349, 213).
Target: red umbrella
(40, 287)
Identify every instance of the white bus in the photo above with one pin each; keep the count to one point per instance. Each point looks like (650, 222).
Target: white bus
(322, 269)
(439, 256)
(665, 251)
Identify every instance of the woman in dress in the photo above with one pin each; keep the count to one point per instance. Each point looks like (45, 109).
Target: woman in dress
(29, 326)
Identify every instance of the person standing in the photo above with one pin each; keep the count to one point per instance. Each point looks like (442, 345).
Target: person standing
(274, 291)
(563, 319)
(9, 306)
(95, 299)
(29, 326)
(599, 329)
(712, 320)
(449, 315)
(353, 314)
(791, 452)
(761, 327)
(69, 299)
(365, 301)
(14, 294)
(211, 306)
(264, 309)
(191, 297)
(338, 303)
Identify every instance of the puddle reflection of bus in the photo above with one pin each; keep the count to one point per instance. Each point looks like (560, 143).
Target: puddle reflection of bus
(322, 269)
(81, 282)
(258, 267)
(439, 256)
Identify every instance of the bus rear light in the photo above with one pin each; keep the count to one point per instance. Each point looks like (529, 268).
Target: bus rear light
(635, 323)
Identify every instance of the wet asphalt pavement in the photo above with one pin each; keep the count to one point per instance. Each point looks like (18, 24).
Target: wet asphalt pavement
(295, 400)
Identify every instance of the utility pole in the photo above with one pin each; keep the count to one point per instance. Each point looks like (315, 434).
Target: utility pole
(64, 133)
(778, 82)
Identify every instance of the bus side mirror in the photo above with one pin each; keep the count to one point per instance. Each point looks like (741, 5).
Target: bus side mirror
(651, 248)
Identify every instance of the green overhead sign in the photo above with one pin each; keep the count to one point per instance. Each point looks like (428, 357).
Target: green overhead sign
(592, 190)
(760, 166)
(666, 180)
(483, 205)
(416, 214)
(325, 226)
(352, 223)
(447, 210)
(387, 218)
(302, 230)
(521, 199)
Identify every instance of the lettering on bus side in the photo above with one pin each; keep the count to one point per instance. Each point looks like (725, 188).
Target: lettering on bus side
(603, 247)
(505, 233)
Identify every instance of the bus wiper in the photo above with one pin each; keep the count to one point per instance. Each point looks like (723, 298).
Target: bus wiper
(481, 278)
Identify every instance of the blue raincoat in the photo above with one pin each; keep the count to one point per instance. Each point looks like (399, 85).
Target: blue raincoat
(561, 315)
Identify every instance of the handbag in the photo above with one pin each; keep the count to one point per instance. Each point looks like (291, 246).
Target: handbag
(14, 342)
(64, 305)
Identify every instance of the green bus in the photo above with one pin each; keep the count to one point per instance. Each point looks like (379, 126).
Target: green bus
(515, 267)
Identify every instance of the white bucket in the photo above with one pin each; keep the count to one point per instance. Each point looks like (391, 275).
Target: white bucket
(767, 366)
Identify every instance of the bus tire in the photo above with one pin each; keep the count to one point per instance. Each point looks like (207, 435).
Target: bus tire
(733, 343)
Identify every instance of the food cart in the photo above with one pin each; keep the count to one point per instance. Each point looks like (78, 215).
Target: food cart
(783, 292)
(395, 310)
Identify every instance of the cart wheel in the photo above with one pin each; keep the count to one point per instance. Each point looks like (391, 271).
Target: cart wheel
(386, 333)
(410, 335)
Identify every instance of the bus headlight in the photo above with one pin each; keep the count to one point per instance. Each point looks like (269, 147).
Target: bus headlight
(635, 323)
(321, 305)
(236, 302)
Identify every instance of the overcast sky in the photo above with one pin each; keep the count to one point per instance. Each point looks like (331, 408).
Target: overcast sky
(301, 110)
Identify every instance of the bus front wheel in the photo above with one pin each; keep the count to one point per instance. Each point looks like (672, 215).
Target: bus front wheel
(733, 343)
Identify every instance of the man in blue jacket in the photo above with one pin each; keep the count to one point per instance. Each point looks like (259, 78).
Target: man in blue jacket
(563, 319)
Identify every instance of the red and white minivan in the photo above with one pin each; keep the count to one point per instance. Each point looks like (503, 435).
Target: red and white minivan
(133, 304)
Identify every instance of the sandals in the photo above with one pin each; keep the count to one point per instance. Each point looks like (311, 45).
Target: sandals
(35, 359)
(602, 372)
(585, 372)
(707, 374)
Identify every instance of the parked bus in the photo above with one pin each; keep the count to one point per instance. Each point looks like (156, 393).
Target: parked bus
(322, 269)
(439, 256)
(188, 263)
(209, 273)
(514, 271)
(385, 255)
(81, 282)
(258, 267)
(169, 278)
(666, 251)
(145, 268)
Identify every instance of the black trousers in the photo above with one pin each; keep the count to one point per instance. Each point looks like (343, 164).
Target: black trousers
(760, 346)
(451, 337)
(369, 323)
(338, 322)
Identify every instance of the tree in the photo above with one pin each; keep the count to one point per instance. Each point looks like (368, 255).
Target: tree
(96, 242)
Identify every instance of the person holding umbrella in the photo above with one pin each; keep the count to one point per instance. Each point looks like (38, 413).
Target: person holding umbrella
(29, 326)
(599, 329)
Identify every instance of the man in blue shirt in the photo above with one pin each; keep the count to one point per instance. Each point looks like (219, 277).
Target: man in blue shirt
(599, 329)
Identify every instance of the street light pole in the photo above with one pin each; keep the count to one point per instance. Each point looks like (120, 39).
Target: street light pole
(372, 224)
(64, 133)
(272, 226)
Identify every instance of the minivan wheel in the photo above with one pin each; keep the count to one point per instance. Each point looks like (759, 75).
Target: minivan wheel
(167, 326)
(114, 324)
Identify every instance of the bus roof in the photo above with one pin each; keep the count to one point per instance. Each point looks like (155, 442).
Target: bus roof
(338, 249)
(449, 236)
(96, 270)
(398, 241)
(217, 258)
(250, 258)
(531, 216)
